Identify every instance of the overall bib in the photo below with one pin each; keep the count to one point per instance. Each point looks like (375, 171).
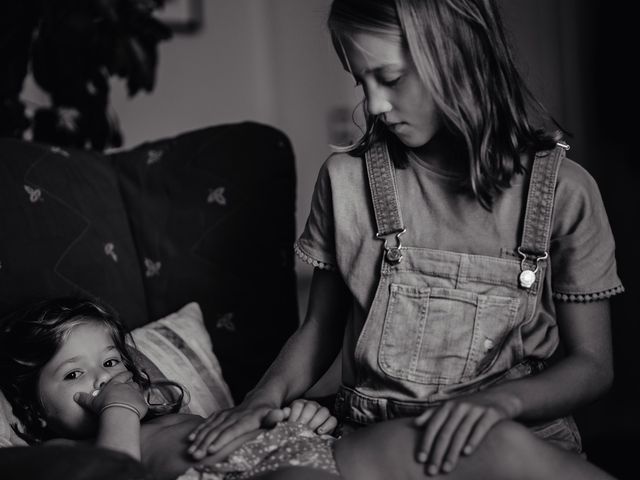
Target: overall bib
(443, 324)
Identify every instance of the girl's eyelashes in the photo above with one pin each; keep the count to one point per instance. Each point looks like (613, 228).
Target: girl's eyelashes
(391, 82)
(74, 375)
(112, 362)
(387, 82)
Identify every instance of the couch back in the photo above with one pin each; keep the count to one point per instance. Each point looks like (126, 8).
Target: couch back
(207, 216)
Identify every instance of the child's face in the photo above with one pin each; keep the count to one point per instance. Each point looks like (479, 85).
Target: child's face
(392, 87)
(86, 360)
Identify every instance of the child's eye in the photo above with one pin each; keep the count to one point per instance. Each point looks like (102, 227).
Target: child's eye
(112, 362)
(391, 82)
(73, 375)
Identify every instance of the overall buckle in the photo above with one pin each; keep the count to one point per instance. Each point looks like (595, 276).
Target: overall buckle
(393, 255)
(527, 276)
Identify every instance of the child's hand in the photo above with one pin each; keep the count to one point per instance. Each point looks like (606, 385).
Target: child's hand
(312, 414)
(456, 428)
(120, 389)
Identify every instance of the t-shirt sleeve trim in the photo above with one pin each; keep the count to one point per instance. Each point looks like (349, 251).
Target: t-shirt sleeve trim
(588, 297)
(307, 258)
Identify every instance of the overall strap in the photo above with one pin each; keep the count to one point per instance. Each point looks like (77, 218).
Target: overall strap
(536, 232)
(384, 196)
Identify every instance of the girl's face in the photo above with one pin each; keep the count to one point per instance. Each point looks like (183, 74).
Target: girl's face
(86, 361)
(392, 87)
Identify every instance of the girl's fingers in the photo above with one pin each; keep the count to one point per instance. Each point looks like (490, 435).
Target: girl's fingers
(423, 418)
(480, 430)
(319, 418)
(441, 443)
(83, 399)
(308, 412)
(328, 426)
(124, 377)
(206, 441)
(273, 417)
(460, 439)
(296, 410)
(204, 437)
(436, 421)
(208, 435)
(247, 424)
(209, 423)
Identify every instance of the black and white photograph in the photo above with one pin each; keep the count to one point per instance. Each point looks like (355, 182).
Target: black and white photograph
(318, 239)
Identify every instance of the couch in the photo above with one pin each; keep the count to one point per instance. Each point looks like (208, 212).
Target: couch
(205, 217)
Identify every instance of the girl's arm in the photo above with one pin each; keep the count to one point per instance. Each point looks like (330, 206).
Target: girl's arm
(120, 406)
(120, 430)
(584, 373)
(303, 359)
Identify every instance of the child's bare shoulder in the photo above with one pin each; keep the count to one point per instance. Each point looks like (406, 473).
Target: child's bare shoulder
(178, 420)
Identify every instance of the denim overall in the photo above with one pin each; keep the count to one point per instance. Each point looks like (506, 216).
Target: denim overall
(442, 323)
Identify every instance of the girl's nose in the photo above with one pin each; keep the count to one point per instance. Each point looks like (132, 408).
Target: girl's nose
(101, 379)
(377, 105)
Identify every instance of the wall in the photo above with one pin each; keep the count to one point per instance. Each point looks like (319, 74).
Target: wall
(265, 60)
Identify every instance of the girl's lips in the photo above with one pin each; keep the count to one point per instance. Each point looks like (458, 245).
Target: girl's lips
(396, 127)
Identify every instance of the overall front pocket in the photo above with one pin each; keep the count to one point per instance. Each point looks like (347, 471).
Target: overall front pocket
(441, 335)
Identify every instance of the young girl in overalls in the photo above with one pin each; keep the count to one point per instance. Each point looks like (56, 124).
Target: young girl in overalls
(462, 260)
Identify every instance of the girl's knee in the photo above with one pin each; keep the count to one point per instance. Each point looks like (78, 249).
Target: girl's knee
(510, 434)
(379, 451)
(509, 443)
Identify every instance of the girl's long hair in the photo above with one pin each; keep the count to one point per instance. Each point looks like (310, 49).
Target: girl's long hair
(30, 337)
(463, 58)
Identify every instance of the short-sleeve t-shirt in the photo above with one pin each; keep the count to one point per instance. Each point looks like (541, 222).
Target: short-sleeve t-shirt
(340, 232)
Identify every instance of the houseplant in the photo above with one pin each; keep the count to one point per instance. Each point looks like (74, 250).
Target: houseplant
(73, 48)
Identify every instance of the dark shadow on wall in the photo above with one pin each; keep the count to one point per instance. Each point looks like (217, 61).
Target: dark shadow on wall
(611, 427)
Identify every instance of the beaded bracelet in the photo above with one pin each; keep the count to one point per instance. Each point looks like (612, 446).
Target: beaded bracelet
(122, 405)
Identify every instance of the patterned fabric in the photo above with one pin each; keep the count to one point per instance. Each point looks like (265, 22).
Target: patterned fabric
(64, 230)
(178, 348)
(286, 445)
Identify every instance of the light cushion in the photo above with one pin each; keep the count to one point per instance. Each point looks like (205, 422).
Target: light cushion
(176, 347)
(8, 437)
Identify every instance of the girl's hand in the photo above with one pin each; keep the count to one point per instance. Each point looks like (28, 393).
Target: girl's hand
(312, 414)
(224, 426)
(457, 427)
(120, 389)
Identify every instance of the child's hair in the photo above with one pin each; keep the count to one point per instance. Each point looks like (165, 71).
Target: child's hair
(463, 58)
(30, 337)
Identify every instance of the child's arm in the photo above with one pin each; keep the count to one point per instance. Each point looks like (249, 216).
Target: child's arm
(120, 407)
(301, 362)
(120, 430)
(584, 373)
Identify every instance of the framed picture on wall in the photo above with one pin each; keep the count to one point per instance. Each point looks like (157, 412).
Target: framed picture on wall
(182, 16)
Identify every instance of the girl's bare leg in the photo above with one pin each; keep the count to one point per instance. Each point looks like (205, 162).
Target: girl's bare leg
(387, 450)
